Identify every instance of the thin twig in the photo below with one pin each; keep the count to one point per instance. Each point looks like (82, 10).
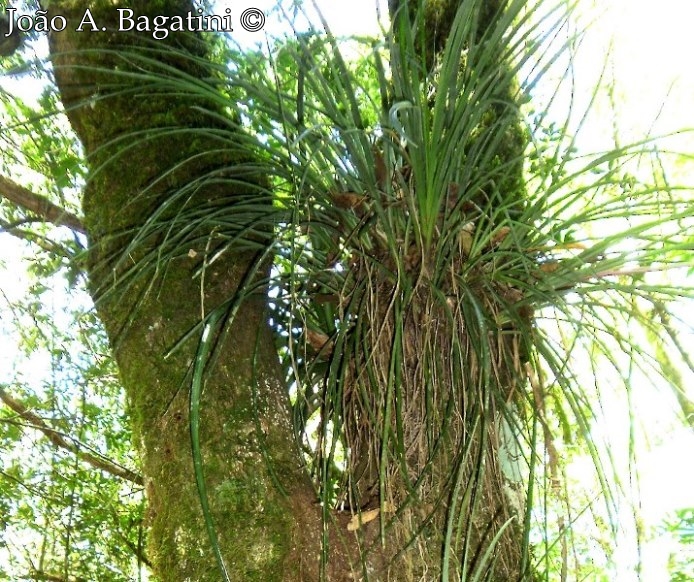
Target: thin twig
(41, 575)
(59, 440)
(47, 245)
(39, 205)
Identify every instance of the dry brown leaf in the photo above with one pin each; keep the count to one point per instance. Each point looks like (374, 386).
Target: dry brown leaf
(549, 266)
(466, 236)
(347, 200)
(500, 235)
(319, 341)
(366, 516)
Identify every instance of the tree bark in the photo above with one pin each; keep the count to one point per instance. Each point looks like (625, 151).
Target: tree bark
(141, 145)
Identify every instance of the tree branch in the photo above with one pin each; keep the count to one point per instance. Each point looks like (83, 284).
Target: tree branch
(39, 205)
(41, 575)
(138, 552)
(59, 440)
(44, 243)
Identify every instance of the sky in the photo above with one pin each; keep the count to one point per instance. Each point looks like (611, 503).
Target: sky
(651, 44)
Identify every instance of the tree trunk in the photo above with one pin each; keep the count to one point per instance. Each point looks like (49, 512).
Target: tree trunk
(428, 383)
(263, 504)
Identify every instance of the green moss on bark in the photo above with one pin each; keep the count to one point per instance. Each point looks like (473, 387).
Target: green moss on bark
(141, 152)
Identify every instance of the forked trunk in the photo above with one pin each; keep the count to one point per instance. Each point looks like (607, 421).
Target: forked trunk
(420, 420)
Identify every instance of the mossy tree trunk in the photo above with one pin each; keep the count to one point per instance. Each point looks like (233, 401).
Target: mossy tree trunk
(262, 501)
